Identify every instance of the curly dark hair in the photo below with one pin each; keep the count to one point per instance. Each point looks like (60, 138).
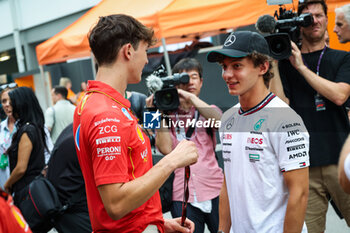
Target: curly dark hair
(259, 59)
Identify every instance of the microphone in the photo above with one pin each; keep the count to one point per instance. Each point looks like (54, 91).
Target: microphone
(154, 83)
(266, 24)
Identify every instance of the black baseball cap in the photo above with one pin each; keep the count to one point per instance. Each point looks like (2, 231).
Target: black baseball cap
(240, 44)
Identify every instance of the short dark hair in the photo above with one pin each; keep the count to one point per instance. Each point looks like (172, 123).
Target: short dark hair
(259, 59)
(112, 32)
(187, 64)
(61, 90)
(306, 3)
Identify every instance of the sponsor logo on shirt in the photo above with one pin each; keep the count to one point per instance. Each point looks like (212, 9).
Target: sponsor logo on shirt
(291, 125)
(295, 140)
(226, 144)
(253, 148)
(302, 164)
(126, 113)
(144, 155)
(254, 158)
(151, 120)
(76, 137)
(296, 147)
(258, 124)
(227, 136)
(297, 155)
(230, 124)
(110, 150)
(107, 129)
(293, 133)
(226, 160)
(226, 152)
(254, 132)
(107, 140)
(139, 134)
(106, 120)
(258, 141)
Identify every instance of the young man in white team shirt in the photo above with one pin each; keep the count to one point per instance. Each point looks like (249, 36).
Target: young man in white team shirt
(264, 143)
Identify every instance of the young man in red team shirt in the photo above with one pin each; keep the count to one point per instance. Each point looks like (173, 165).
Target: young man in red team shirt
(113, 151)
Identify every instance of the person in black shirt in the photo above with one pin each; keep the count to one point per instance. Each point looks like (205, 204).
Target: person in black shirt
(26, 152)
(65, 174)
(316, 85)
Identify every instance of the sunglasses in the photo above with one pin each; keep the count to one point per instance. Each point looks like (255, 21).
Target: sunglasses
(186, 195)
(8, 85)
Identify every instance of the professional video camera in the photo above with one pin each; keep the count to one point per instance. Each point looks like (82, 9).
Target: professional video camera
(166, 97)
(284, 30)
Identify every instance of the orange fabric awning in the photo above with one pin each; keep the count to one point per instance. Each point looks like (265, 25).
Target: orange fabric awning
(174, 20)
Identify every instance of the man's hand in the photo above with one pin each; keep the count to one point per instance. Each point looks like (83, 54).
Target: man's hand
(184, 154)
(174, 225)
(185, 95)
(296, 59)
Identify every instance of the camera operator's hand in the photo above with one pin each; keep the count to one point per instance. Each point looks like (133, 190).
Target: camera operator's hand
(296, 59)
(185, 95)
(149, 101)
(184, 154)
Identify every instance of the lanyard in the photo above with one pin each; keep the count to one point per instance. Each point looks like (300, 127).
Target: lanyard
(318, 63)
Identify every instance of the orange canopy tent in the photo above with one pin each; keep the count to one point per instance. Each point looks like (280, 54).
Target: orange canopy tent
(174, 20)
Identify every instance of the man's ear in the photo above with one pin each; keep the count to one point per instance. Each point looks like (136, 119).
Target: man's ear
(127, 50)
(264, 67)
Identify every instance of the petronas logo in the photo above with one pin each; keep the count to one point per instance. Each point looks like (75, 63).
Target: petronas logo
(258, 124)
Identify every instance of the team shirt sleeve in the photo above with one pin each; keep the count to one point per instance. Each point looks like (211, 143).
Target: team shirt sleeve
(292, 144)
(108, 139)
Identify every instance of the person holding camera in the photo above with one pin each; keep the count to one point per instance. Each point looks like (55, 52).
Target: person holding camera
(206, 176)
(315, 83)
(264, 145)
(113, 152)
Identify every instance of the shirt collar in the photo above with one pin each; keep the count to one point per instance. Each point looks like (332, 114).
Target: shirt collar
(106, 89)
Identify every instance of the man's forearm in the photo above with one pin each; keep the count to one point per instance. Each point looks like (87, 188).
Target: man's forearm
(295, 213)
(338, 93)
(205, 109)
(224, 210)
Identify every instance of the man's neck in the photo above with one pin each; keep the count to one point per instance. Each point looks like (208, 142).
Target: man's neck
(309, 47)
(253, 97)
(115, 79)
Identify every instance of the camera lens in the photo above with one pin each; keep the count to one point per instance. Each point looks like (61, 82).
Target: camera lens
(167, 99)
(278, 46)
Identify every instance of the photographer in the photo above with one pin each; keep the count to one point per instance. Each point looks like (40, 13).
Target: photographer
(316, 85)
(206, 175)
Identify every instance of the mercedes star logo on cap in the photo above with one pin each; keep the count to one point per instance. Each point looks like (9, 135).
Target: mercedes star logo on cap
(230, 40)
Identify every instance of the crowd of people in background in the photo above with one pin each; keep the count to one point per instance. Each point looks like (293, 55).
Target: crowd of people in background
(285, 145)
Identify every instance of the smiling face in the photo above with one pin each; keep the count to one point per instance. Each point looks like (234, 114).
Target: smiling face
(342, 28)
(316, 31)
(241, 76)
(195, 84)
(6, 103)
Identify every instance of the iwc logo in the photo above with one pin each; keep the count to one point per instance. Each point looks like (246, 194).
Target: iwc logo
(230, 40)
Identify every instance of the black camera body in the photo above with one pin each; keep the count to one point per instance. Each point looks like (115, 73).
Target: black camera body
(167, 99)
(286, 29)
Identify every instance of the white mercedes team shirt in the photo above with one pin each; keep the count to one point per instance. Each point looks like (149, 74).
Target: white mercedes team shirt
(257, 147)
